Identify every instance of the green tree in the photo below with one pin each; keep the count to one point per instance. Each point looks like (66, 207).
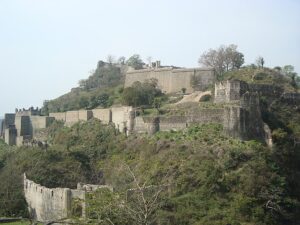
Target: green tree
(288, 70)
(83, 102)
(135, 61)
(141, 93)
(222, 59)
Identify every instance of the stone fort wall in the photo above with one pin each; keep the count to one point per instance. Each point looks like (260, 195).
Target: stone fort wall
(172, 80)
(49, 204)
(240, 117)
(150, 125)
(54, 204)
(22, 125)
(119, 116)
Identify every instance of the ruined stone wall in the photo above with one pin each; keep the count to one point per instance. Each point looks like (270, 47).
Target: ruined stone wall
(172, 123)
(200, 116)
(266, 90)
(23, 126)
(49, 204)
(8, 120)
(244, 121)
(173, 80)
(228, 91)
(140, 126)
(102, 114)
(233, 90)
(10, 135)
(46, 204)
(54, 204)
(40, 122)
(150, 124)
(122, 117)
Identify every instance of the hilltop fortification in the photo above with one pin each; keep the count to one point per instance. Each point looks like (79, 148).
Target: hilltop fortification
(236, 106)
(173, 79)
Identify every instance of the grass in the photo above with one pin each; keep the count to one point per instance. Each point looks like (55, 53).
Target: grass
(17, 223)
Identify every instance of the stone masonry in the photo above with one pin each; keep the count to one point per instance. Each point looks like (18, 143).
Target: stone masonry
(55, 204)
(172, 80)
(238, 111)
(21, 126)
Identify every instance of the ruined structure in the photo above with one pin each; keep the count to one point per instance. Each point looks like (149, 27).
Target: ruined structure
(55, 204)
(237, 108)
(172, 79)
(21, 126)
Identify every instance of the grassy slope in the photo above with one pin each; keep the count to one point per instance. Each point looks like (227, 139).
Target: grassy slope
(261, 76)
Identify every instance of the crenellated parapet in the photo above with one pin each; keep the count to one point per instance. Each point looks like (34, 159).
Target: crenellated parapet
(28, 112)
(23, 125)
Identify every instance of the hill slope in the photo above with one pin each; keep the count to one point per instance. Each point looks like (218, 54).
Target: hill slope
(202, 176)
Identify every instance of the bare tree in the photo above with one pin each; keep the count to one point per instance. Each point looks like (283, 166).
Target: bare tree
(122, 60)
(260, 62)
(134, 200)
(143, 200)
(110, 59)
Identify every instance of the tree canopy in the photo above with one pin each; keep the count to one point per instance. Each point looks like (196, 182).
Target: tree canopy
(141, 93)
(135, 61)
(222, 59)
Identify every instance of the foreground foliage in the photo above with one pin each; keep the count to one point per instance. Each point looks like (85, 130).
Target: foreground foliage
(207, 178)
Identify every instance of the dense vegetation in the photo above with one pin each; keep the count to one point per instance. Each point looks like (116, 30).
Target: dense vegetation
(143, 94)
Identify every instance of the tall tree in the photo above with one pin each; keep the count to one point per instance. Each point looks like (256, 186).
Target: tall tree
(288, 70)
(260, 61)
(110, 59)
(222, 59)
(121, 60)
(135, 61)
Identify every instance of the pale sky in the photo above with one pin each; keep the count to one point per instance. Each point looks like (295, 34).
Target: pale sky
(47, 46)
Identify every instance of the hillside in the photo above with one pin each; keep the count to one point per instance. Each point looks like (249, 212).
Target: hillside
(263, 76)
(194, 176)
(101, 89)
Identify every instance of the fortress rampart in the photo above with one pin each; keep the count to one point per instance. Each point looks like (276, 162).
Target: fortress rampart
(237, 108)
(119, 116)
(171, 80)
(21, 126)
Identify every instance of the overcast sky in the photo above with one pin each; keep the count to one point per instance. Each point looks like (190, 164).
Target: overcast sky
(47, 46)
